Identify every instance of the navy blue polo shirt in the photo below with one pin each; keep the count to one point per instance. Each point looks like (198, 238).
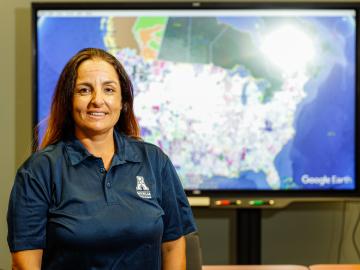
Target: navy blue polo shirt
(84, 217)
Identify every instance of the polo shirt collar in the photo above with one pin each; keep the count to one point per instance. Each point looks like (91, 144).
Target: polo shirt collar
(125, 151)
(76, 151)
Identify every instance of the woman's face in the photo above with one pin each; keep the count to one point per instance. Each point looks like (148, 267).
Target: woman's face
(97, 98)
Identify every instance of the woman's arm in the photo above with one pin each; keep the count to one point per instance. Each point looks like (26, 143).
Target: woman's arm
(27, 259)
(173, 254)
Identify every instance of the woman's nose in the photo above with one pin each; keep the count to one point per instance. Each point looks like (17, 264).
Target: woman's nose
(97, 97)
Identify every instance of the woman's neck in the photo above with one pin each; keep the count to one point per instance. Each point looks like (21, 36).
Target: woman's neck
(99, 145)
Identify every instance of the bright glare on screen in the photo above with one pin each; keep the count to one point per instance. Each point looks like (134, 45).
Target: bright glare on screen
(289, 48)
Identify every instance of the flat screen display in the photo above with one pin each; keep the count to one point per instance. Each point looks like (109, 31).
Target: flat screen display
(241, 99)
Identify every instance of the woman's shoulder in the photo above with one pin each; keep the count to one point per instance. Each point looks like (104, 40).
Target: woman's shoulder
(139, 142)
(146, 149)
(42, 159)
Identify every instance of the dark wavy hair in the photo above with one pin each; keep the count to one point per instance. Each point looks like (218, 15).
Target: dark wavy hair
(61, 125)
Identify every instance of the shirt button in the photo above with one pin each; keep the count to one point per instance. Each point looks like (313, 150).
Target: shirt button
(108, 184)
(102, 170)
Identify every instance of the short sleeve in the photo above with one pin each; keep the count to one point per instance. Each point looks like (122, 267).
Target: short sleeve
(178, 217)
(27, 213)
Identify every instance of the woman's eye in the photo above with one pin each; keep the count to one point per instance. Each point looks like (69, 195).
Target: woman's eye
(109, 90)
(84, 91)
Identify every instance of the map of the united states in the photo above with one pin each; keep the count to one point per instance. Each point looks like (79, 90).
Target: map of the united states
(236, 102)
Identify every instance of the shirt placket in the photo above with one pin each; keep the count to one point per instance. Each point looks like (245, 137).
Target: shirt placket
(105, 180)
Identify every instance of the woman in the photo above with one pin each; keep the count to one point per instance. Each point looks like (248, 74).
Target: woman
(95, 196)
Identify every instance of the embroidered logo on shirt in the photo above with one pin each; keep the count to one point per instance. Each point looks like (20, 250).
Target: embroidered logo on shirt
(141, 188)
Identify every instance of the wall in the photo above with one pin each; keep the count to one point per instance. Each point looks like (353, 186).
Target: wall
(301, 234)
